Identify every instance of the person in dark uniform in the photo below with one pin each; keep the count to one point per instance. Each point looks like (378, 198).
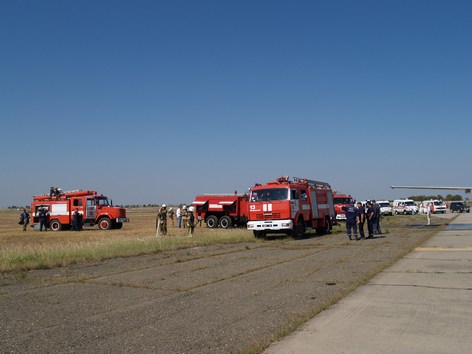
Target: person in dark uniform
(361, 219)
(376, 207)
(351, 220)
(370, 216)
(43, 219)
(77, 220)
(24, 219)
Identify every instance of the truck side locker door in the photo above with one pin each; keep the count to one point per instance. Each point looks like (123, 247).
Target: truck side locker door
(314, 204)
(305, 204)
(294, 203)
(91, 209)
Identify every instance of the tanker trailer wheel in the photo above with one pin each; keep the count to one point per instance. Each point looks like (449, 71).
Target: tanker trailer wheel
(104, 223)
(212, 221)
(225, 222)
(55, 225)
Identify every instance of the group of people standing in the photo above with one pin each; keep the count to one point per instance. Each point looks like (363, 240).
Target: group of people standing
(185, 216)
(357, 215)
(42, 216)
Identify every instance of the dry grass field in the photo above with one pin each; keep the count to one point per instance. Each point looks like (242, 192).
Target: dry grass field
(25, 250)
(22, 250)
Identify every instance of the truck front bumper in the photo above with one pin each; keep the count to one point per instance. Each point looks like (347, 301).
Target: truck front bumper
(121, 219)
(270, 225)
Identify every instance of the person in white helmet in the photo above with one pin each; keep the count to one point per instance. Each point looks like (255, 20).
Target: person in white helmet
(184, 215)
(191, 221)
(161, 220)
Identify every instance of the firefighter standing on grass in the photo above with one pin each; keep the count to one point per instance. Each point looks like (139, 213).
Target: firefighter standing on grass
(43, 219)
(184, 215)
(161, 220)
(24, 219)
(191, 221)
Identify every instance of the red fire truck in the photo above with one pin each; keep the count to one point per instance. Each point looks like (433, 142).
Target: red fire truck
(222, 210)
(290, 207)
(95, 209)
(341, 200)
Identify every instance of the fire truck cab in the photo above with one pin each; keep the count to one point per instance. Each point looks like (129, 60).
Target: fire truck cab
(290, 207)
(341, 200)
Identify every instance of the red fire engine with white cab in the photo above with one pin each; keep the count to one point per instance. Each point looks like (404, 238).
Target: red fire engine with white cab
(222, 210)
(290, 207)
(94, 208)
(341, 200)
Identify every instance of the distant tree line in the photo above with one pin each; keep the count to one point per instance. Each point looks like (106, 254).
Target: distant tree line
(449, 197)
(140, 205)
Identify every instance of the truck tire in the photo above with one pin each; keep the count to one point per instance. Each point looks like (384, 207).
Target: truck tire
(299, 229)
(55, 225)
(118, 225)
(104, 223)
(326, 229)
(212, 221)
(225, 222)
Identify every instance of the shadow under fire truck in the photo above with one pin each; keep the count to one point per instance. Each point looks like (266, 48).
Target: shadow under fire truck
(95, 210)
(291, 207)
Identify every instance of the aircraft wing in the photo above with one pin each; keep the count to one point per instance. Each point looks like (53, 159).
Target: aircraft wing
(465, 189)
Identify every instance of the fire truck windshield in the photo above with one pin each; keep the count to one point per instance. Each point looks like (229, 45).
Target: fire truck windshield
(102, 202)
(343, 200)
(269, 194)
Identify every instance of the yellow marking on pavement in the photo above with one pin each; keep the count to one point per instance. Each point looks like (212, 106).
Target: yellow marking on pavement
(443, 249)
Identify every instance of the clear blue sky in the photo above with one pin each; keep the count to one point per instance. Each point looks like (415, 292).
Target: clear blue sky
(158, 101)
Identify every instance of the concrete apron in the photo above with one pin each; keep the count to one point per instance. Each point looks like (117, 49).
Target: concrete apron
(422, 304)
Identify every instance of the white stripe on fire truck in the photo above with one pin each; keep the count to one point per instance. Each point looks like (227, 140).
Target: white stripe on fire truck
(216, 206)
(267, 207)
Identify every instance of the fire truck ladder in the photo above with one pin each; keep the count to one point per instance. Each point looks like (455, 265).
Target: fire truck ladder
(312, 183)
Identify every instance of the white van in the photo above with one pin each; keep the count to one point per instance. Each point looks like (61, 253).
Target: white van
(385, 208)
(405, 206)
(438, 206)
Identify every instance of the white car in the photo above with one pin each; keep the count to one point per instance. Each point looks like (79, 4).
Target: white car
(438, 206)
(385, 208)
(405, 206)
